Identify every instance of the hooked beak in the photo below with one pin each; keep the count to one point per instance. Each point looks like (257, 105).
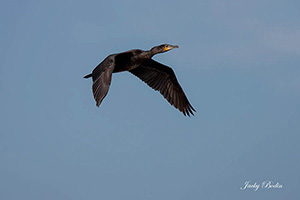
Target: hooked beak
(171, 47)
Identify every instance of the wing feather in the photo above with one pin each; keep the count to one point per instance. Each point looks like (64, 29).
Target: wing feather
(162, 78)
(101, 80)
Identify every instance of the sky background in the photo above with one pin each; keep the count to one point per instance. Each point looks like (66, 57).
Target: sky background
(238, 62)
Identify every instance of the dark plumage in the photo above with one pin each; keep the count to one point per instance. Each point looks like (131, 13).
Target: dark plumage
(140, 63)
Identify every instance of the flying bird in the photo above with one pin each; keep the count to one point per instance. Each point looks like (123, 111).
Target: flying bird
(140, 63)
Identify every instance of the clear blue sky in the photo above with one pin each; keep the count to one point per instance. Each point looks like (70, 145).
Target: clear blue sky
(238, 62)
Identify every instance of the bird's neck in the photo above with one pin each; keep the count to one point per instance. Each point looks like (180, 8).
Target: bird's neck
(148, 54)
(153, 52)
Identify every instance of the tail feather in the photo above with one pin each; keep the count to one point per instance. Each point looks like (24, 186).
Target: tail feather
(88, 76)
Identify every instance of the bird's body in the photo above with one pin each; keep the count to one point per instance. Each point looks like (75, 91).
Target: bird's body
(140, 63)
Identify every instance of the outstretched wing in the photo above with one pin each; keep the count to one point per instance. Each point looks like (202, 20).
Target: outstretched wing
(162, 78)
(102, 79)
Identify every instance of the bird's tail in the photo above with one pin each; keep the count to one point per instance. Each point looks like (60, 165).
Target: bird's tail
(88, 76)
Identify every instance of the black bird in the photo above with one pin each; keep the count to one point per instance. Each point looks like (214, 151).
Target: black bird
(140, 63)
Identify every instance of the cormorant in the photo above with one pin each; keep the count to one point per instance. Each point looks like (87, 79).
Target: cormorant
(140, 63)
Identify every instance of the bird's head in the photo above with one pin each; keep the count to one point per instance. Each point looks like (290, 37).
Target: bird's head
(163, 48)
